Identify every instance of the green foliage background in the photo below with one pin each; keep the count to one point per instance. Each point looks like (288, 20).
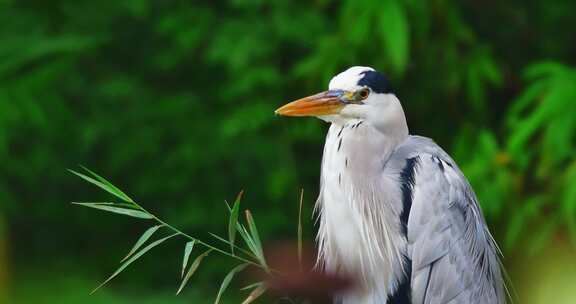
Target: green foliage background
(173, 101)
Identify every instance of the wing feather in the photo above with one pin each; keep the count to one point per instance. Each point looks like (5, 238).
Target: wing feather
(454, 258)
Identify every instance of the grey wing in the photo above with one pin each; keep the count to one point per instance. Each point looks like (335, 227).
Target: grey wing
(454, 258)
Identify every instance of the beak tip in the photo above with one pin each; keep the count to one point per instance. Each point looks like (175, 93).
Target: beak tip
(280, 111)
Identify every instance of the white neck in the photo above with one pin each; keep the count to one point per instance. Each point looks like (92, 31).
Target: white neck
(357, 222)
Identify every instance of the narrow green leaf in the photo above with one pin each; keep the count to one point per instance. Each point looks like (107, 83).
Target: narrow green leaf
(106, 186)
(255, 294)
(119, 210)
(251, 286)
(132, 259)
(233, 220)
(120, 205)
(255, 244)
(143, 238)
(187, 251)
(248, 240)
(253, 231)
(192, 269)
(227, 280)
(243, 233)
(116, 190)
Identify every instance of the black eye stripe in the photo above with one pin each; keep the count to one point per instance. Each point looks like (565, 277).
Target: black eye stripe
(375, 81)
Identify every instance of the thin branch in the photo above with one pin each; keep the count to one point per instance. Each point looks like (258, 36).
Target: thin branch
(198, 241)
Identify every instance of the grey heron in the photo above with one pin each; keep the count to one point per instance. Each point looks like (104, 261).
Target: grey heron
(396, 213)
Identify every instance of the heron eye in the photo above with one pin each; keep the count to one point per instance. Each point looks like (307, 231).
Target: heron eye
(363, 93)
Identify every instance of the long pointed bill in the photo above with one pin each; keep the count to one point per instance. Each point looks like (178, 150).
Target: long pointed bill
(325, 103)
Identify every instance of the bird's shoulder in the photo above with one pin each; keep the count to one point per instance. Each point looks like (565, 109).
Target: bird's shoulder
(416, 153)
(419, 146)
(452, 253)
(433, 172)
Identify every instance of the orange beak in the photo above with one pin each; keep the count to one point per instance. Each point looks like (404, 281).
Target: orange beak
(325, 103)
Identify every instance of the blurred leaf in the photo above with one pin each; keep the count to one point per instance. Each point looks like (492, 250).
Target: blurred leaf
(543, 69)
(393, 27)
(482, 72)
(26, 49)
(247, 119)
(541, 237)
(137, 8)
(251, 286)
(227, 280)
(518, 222)
(110, 208)
(143, 238)
(255, 294)
(547, 120)
(361, 13)
(529, 95)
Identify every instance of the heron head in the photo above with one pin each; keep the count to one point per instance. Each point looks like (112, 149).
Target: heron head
(359, 93)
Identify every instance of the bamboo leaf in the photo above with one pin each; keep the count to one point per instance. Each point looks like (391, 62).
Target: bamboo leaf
(227, 280)
(143, 238)
(253, 239)
(103, 184)
(255, 294)
(248, 240)
(251, 286)
(187, 251)
(119, 193)
(132, 259)
(243, 233)
(120, 205)
(253, 231)
(120, 210)
(233, 220)
(192, 269)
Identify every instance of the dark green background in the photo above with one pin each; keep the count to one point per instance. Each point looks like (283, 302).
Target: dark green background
(173, 101)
